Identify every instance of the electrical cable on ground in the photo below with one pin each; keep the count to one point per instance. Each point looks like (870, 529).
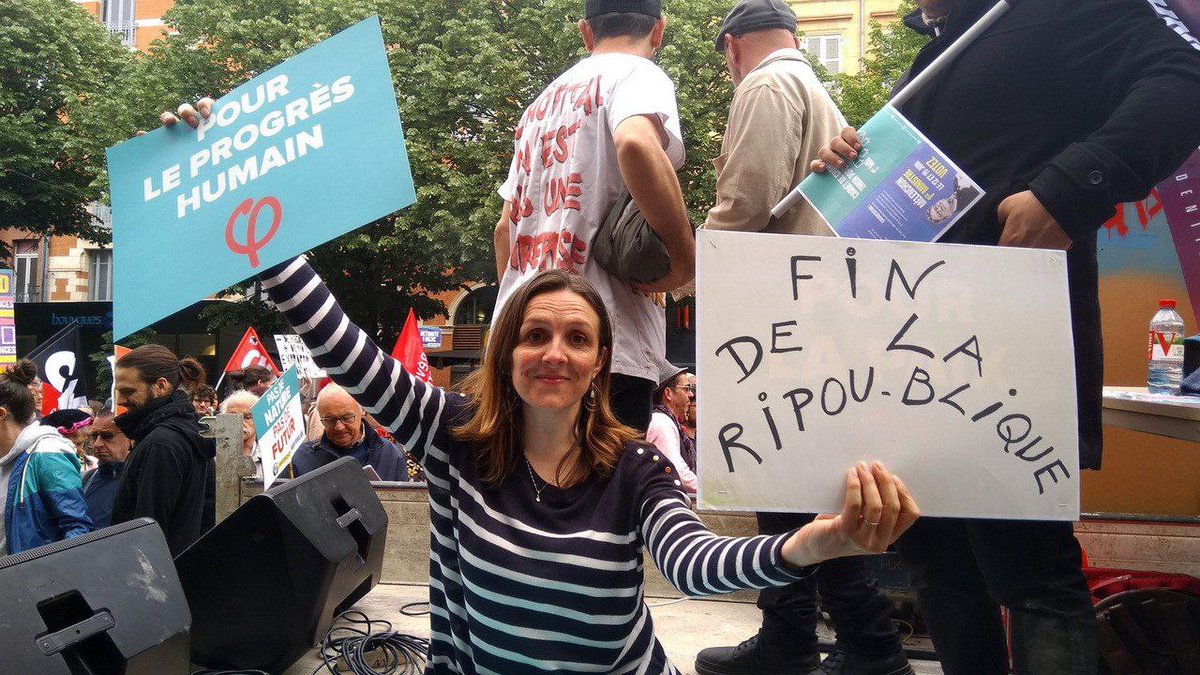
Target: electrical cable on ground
(370, 647)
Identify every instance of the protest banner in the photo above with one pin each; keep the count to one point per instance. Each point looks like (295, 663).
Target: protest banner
(278, 425)
(301, 154)
(1179, 193)
(900, 187)
(1179, 196)
(8, 321)
(953, 365)
(293, 352)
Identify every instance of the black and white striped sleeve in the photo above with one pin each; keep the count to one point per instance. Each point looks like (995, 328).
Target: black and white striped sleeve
(698, 562)
(410, 408)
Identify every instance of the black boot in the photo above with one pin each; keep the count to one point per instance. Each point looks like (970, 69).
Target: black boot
(845, 663)
(753, 657)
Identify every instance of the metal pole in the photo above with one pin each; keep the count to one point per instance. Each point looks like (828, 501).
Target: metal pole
(951, 52)
(919, 81)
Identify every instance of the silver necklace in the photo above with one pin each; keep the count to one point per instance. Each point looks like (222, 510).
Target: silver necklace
(533, 480)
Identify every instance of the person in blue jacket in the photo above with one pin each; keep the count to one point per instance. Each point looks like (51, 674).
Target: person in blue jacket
(39, 471)
(347, 434)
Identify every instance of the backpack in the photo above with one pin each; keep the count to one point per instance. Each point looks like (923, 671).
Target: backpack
(1149, 622)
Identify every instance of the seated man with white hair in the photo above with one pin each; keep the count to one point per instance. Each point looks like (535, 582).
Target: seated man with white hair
(241, 402)
(347, 434)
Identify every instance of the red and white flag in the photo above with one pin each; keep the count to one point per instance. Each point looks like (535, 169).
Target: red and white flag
(250, 352)
(410, 352)
(60, 366)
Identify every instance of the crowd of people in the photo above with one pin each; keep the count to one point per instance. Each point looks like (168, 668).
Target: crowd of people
(573, 446)
(75, 470)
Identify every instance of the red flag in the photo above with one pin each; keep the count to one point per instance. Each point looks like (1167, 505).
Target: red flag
(410, 352)
(250, 352)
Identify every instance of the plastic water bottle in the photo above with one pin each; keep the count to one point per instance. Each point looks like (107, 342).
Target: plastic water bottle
(1166, 350)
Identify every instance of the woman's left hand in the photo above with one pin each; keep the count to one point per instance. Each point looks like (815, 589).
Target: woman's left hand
(877, 509)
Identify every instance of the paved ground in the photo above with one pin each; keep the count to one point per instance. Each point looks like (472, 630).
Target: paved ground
(683, 627)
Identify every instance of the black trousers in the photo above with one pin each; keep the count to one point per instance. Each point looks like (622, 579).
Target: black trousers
(861, 613)
(964, 570)
(631, 399)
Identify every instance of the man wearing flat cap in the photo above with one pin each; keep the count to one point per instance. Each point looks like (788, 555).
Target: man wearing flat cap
(608, 122)
(779, 119)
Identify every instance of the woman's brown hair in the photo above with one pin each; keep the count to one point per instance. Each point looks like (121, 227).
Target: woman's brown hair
(14, 390)
(495, 425)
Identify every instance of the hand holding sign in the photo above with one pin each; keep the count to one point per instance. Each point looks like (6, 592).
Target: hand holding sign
(876, 511)
(299, 155)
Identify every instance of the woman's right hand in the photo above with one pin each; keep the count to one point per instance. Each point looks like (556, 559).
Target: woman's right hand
(877, 509)
(840, 150)
(190, 114)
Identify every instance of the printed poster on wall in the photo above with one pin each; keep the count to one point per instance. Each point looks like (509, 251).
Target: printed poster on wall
(301, 154)
(900, 187)
(279, 425)
(950, 364)
(8, 321)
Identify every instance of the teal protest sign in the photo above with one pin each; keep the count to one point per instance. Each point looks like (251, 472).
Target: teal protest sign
(278, 425)
(299, 155)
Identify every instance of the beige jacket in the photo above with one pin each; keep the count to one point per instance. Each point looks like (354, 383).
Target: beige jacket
(780, 117)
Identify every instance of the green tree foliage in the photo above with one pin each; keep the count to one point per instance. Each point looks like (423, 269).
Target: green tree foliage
(463, 70)
(891, 49)
(56, 64)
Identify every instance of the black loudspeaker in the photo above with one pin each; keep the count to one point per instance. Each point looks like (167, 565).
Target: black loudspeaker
(106, 603)
(265, 584)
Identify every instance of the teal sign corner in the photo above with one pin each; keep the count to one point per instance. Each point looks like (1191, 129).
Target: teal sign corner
(295, 157)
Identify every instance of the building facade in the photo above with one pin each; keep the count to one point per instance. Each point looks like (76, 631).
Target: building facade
(835, 31)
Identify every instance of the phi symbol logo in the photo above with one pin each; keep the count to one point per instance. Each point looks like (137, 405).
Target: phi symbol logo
(252, 243)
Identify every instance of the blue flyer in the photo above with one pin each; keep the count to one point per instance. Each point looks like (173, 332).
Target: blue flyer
(299, 155)
(901, 187)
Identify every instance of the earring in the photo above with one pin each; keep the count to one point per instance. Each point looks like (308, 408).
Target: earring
(590, 403)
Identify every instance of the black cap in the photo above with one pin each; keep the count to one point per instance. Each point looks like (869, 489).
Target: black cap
(597, 7)
(751, 15)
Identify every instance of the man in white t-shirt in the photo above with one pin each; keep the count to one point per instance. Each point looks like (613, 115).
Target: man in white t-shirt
(609, 122)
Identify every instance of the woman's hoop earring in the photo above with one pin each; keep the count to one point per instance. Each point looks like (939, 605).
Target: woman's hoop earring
(590, 401)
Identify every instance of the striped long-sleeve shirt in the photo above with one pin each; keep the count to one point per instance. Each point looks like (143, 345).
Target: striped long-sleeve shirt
(518, 585)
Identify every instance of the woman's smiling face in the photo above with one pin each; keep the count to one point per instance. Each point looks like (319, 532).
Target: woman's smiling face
(558, 351)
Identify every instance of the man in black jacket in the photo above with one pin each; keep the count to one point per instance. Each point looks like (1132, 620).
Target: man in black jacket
(171, 474)
(1061, 110)
(347, 434)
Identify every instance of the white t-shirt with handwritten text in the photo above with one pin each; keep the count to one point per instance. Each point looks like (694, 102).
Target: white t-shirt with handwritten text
(564, 179)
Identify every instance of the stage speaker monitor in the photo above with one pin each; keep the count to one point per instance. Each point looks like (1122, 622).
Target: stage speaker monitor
(265, 584)
(106, 603)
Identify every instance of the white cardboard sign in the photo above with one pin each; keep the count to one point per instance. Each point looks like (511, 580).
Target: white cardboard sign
(951, 364)
(293, 352)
